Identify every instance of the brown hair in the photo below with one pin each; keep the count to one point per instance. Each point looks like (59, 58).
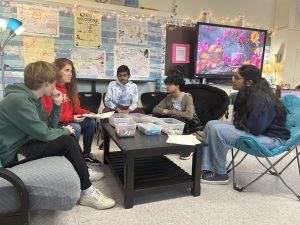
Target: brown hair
(72, 86)
(35, 74)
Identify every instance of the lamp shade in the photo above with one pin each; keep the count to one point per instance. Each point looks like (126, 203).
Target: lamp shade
(3, 24)
(13, 24)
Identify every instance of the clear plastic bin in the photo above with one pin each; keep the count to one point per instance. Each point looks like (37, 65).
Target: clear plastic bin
(125, 127)
(170, 125)
(141, 118)
(149, 128)
(111, 119)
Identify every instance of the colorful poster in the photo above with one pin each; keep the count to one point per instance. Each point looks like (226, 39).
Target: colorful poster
(87, 28)
(39, 21)
(136, 58)
(36, 49)
(89, 63)
(132, 32)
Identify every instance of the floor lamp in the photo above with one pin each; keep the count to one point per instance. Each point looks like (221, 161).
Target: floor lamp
(14, 27)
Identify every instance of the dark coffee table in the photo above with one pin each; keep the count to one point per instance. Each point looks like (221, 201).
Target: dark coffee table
(142, 167)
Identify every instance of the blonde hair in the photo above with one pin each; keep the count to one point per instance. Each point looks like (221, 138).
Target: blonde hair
(35, 74)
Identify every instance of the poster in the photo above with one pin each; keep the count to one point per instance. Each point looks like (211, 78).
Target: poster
(39, 21)
(297, 15)
(89, 62)
(87, 29)
(36, 49)
(132, 32)
(136, 58)
(180, 53)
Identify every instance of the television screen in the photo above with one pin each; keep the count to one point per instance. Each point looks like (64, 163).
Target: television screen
(221, 49)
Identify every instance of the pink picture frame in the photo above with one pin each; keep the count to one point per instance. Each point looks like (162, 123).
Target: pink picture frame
(180, 53)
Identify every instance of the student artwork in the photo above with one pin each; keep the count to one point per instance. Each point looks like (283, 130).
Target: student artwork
(297, 15)
(39, 21)
(132, 32)
(89, 63)
(36, 49)
(87, 29)
(136, 58)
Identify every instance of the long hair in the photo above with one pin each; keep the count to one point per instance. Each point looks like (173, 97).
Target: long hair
(72, 86)
(242, 105)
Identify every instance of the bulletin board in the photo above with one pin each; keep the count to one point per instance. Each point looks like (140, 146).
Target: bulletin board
(180, 38)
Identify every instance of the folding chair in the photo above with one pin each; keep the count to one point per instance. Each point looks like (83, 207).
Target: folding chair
(253, 147)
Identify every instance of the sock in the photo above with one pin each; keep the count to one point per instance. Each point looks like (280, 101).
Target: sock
(87, 191)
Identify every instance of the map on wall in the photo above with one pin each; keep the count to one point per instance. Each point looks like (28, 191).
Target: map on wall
(87, 29)
(89, 63)
(132, 32)
(39, 21)
(36, 49)
(136, 58)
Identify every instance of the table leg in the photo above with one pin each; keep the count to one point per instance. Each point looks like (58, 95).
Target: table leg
(128, 181)
(196, 169)
(106, 140)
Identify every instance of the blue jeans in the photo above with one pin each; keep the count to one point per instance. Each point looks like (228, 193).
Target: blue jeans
(87, 127)
(220, 137)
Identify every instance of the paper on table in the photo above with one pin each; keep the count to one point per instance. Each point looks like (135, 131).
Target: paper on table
(100, 116)
(183, 139)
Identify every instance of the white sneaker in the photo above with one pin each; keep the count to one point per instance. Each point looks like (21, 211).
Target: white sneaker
(95, 175)
(96, 200)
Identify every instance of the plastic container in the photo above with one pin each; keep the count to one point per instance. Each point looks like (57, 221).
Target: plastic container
(170, 125)
(149, 128)
(125, 127)
(111, 119)
(141, 118)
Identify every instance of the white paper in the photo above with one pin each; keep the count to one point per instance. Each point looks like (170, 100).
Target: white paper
(183, 139)
(99, 116)
(180, 53)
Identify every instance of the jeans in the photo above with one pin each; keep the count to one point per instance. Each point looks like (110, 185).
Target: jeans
(87, 127)
(65, 145)
(220, 137)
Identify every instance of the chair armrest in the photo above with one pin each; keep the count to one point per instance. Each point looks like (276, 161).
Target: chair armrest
(21, 217)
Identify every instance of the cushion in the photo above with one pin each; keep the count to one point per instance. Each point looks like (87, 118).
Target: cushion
(52, 184)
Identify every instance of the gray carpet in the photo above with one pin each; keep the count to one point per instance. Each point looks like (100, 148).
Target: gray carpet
(266, 202)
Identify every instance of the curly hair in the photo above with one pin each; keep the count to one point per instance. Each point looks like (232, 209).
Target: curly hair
(72, 86)
(176, 79)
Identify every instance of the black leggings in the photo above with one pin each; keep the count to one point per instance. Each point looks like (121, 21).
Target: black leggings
(65, 145)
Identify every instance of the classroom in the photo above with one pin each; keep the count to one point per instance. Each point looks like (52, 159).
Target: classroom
(149, 112)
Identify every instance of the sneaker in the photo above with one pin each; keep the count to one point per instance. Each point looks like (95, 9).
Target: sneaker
(95, 175)
(185, 156)
(214, 178)
(90, 158)
(96, 200)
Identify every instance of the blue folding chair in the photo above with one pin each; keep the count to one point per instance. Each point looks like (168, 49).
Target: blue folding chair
(251, 146)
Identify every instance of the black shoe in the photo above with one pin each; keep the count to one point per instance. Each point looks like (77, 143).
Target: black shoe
(214, 178)
(90, 158)
(185, 156)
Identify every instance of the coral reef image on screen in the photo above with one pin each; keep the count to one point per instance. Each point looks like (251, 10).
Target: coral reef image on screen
(222, 49)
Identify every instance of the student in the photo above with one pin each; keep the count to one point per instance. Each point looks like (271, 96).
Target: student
(178, 105)
(122, 94)
(25, 127)
(71, 110)
(257, 113)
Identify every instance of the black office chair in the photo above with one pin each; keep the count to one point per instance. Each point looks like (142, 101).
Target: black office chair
(211, 103)
(90, 101)
(151, 99)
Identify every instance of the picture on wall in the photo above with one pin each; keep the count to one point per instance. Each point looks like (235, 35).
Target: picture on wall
(87, 29)
(136, 58)
(132, 32)
(36, 49)
(39, 21)
(89, 62)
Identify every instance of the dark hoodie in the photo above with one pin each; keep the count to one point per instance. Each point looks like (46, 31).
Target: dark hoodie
(23, 118)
